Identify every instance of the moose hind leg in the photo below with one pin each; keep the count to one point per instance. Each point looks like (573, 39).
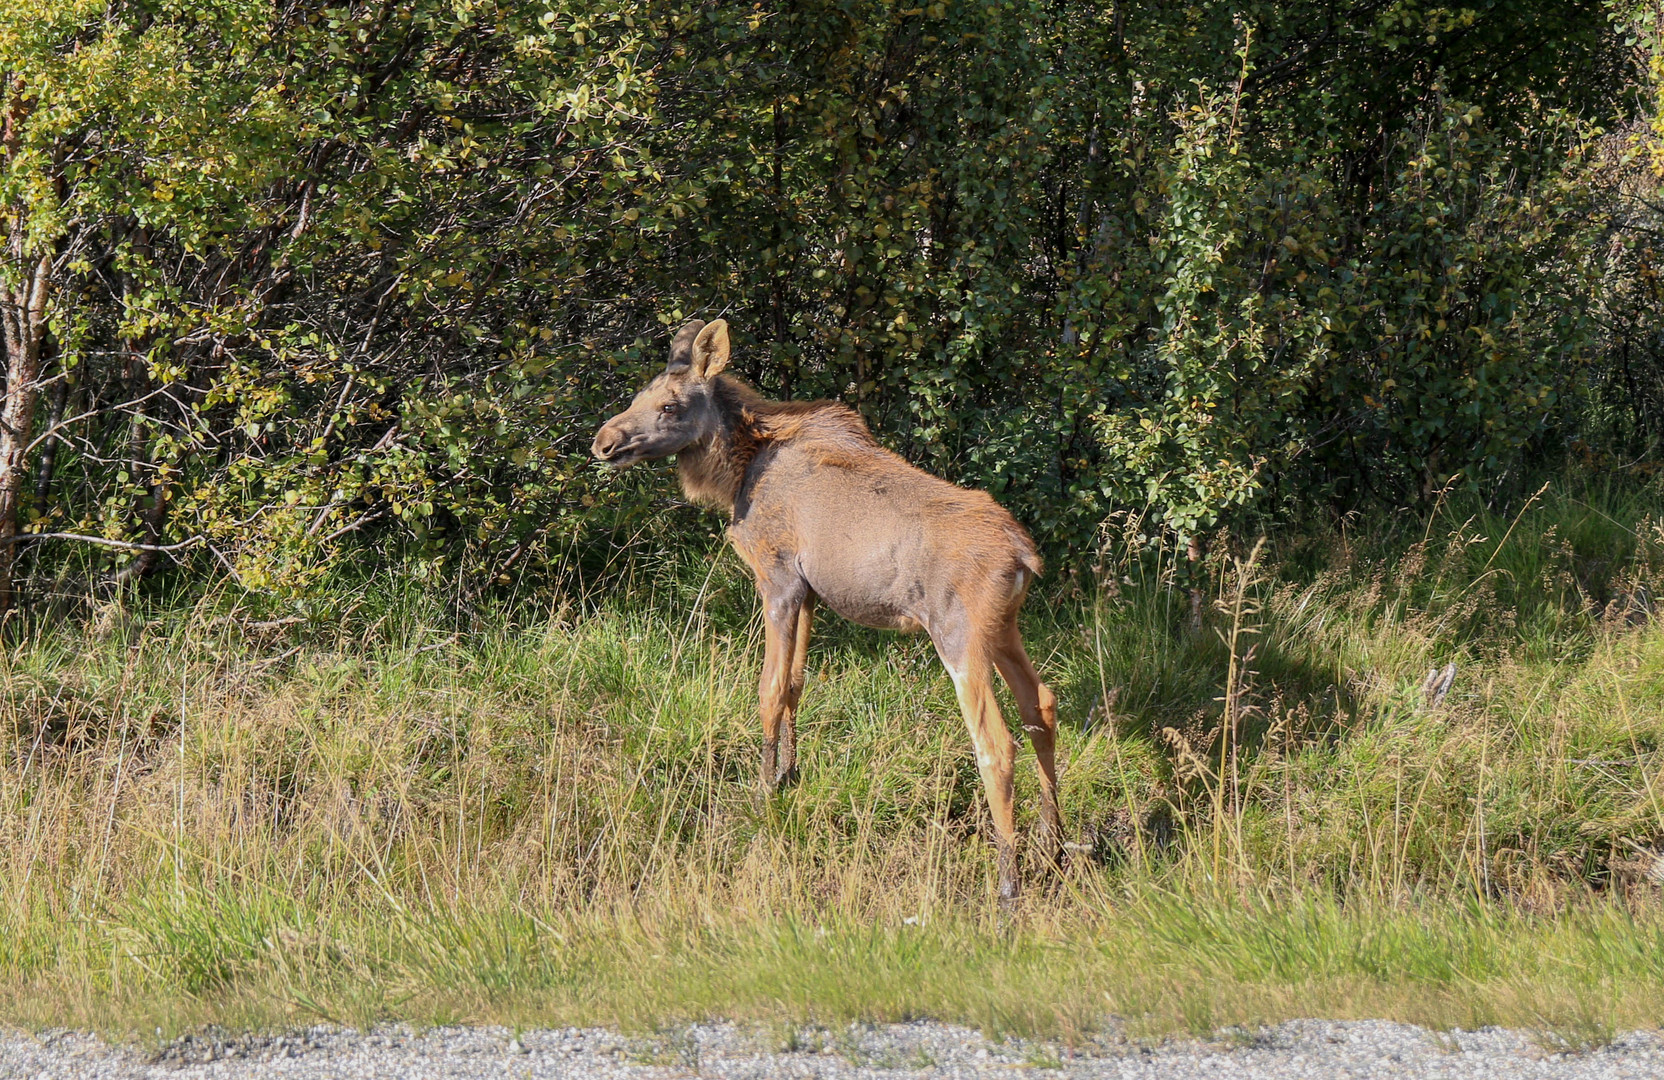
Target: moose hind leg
(994, 753)
(1038, 707)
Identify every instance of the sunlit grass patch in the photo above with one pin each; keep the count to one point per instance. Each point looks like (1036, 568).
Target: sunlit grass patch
(553, 816)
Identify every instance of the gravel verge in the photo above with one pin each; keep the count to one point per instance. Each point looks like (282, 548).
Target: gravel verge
(1302, 1048)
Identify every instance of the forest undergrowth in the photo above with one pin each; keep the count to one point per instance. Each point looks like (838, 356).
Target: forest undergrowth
(1402, 767)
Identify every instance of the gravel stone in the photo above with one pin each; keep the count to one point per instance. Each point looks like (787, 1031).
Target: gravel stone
(1319, 1049)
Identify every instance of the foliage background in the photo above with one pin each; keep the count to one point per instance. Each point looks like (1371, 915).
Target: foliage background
(288, 282)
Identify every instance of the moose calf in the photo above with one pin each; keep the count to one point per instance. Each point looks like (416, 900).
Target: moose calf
(819, 509)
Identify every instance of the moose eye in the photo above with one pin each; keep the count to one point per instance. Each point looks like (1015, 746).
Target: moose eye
(670, 408)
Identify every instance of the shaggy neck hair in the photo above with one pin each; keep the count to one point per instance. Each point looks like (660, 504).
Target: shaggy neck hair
(713, 469)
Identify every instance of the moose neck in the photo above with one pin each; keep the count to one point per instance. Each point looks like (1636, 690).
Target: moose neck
(712, 469)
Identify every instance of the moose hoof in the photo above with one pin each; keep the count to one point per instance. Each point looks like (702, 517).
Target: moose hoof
(1053, 854)
(1010, 887)
(784, 778)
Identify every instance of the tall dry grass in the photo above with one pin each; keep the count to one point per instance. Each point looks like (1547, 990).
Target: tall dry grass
(384, 809)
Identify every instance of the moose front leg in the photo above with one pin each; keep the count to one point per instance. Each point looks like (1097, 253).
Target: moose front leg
(786, 770)
(778, 691)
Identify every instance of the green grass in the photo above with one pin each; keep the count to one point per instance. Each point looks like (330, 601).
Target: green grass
(383, 810)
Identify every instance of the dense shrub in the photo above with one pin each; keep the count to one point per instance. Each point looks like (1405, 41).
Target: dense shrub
(288, 280)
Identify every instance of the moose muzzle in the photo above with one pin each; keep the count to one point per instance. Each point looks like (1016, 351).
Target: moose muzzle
(612, 445)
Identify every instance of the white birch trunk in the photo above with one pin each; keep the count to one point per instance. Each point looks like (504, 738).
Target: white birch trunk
(23, 317)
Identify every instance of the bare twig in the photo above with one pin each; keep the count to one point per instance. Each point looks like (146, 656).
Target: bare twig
(123, 545)
(1437, 684)
(363, 520)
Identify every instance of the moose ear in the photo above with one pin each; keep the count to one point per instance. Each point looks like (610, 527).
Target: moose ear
(710, 350)
(681, 348)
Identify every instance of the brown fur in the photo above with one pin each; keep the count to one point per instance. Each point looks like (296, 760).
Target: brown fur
(712, 473)
(820, 511)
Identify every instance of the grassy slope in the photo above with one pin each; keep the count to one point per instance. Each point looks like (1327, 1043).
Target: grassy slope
(553, 818)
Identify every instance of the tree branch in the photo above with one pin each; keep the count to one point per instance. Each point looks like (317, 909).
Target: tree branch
(123, 545)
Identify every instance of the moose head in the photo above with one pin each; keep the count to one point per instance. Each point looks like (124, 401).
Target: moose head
(674, 411)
